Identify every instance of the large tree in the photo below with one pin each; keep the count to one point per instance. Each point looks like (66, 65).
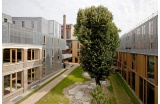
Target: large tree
(99, 40)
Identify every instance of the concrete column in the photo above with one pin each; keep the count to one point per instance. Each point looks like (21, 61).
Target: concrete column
(64, 26)
(25, 80)
(40, 68)
(25, 57)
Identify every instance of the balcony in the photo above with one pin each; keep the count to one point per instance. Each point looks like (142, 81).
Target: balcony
(64, 56)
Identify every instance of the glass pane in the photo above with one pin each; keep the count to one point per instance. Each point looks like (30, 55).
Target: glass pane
(6, 84)
(33, 77)
(150, 68)
(141, 88)
(29, 54)
(32, 54)
(19, 80)
(133, 81)
(19, 55)
(13, 56)
(14, 75)
(36, 54)
(13, 85)
(150, 93)
(29, 76)
(6, 55)
(37, 74)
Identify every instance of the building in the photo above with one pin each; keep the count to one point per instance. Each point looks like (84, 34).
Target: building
(72, 51)
(32, 52)
(137, 60)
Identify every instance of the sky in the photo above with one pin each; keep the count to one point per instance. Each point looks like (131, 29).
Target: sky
(126, 13)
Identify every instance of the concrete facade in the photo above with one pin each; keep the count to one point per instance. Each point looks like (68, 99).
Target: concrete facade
(32, 52)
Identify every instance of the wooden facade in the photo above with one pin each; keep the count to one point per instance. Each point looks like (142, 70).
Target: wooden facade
(135, 69)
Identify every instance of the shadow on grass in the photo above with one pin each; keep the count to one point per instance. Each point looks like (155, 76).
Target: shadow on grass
(55, 95)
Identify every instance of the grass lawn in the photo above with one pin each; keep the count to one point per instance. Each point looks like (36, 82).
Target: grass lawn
(122, 92)
(55, 95)
(39, 88)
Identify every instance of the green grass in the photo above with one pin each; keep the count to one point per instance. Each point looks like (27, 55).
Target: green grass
(111, 98)
(110, 89)
(55, 95)
(122, 92)
(39, 88)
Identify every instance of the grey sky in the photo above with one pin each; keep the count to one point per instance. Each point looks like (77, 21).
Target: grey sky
(127, 13)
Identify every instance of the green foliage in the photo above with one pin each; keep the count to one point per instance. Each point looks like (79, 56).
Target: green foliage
(99, 40)
(98, 96)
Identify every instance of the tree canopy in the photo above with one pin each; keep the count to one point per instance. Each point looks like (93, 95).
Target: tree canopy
(99, 40)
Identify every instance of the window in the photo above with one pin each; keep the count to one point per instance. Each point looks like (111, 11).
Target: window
(44, 70)
(12, 82)
(133, 81)
(44, 40)
(133, 61)
(12, 55)
(33, 75)
(141, 88)
(68, 34)
(52, 53)
(52, 41)
(32, 24)
(150, 68)
(44, 55)
(14, 22)
(150, 27)
(23, 24)
(5, 20)
(150, 93)
(32, 54)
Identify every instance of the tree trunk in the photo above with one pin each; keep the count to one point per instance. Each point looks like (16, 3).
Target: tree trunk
(98, 82)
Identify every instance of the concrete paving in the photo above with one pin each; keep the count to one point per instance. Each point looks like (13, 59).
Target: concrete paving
(39, 94)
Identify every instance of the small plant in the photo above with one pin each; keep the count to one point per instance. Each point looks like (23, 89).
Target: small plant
(98, 96)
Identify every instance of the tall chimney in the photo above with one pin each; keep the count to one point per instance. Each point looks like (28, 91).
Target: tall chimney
(64, 26)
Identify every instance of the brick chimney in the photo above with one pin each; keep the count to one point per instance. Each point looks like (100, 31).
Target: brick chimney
(64, 26)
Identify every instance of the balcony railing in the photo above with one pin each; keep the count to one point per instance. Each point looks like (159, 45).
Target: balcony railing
(64, 56)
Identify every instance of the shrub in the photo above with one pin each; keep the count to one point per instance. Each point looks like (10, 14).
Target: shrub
(98, 96)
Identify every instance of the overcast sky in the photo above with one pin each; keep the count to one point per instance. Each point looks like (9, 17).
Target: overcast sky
(127, 13)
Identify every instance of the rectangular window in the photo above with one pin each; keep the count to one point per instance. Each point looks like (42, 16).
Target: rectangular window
(133, 81)
(150, 68)
(12, 82)
(5, 20)
(12, 55)
(44, 70)
(14, 22)
(33, 54)
(44, 53)
(151, 27)
(141, 88)
(29, 54)
(33, 75)
(68, 37)
(6, 55)
(150, 93)
(52, 41)
(23, 24)
(52, 53)
(32, 24)
(44, 40)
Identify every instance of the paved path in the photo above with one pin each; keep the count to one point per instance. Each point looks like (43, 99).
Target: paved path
(39, 94)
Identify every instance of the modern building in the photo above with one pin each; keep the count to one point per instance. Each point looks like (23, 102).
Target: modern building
(137, 60)
(31, 52)
(72, 51)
